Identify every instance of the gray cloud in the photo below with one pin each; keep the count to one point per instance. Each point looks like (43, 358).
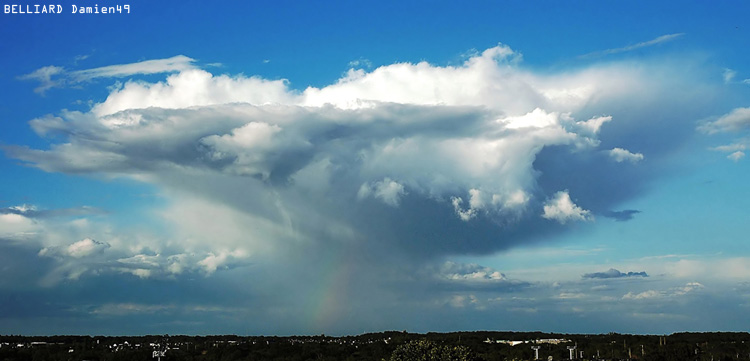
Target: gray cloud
(613, 273)
(32, 212)
(621, 216)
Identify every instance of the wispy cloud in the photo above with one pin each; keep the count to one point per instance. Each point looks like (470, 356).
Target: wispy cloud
(644, 44)
(168, 65)
(672, 292)
(32, 211)
(45, 76)
(728, 75)
(55, 76)
(360, 63)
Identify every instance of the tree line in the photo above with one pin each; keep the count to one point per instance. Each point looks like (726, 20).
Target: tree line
(384, 346)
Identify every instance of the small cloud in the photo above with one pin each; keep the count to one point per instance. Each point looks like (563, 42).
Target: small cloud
(736, 156)
(80, 58)
(728, 75)
(613, 273)
(470, 272)
(643, 295)
(360, 63)
(387, 190)
(221, 260)
(461, 301)
(736, 150)
(689, 287)
(44, 76)
(730, 148)
(464, 214)
(621, 216)
(24, 209)
(570, 295)
(621, 155)
(562, 209)
(266, 61)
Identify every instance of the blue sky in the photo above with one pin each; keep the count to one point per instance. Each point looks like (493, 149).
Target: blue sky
(339, 168)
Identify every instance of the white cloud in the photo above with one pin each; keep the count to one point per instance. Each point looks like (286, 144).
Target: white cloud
(169, 65)
(621, 155)
(736, 150)
(643, 295)
(736, 120)
(17, 227)
(734, 147)
(470, 273)
(193, 88)
(672, 292)
(360, 63)
(387, 190)
(736, 156)
(464, 214)
(85, 247)
(562, 209)
(247, 147)
(24, 208)
(212, 262)
(689, 287)
(44, 76)
(462, 301)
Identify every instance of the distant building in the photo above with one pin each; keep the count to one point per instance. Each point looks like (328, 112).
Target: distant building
(552, 341)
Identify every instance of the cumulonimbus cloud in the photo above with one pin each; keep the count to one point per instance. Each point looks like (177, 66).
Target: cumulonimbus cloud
(352, 196)
(419, 159)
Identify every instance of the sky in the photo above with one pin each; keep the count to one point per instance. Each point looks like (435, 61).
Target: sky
(338, 167)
